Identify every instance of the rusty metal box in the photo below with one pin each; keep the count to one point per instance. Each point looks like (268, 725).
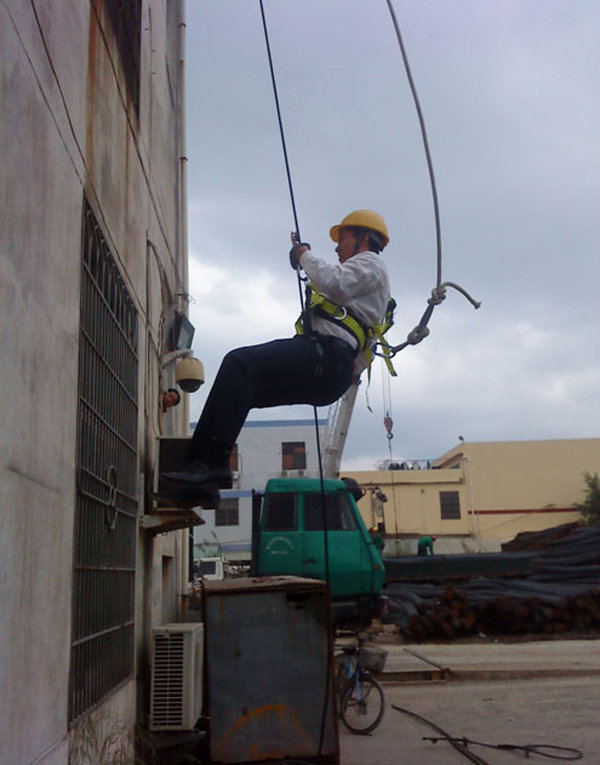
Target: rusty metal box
(268, 686)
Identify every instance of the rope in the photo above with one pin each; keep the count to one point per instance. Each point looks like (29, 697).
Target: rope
(438, 293)
(283, 146)
(438, 235)
(300, 280)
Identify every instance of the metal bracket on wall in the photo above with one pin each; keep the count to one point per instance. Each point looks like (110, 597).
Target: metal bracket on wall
(170, 519)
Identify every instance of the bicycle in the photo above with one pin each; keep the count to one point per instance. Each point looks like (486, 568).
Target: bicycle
(361, 703)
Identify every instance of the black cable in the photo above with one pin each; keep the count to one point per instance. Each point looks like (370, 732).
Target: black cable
(461, 743)
(543, 750)
(283, 142)
(319, 455)
(453, 742)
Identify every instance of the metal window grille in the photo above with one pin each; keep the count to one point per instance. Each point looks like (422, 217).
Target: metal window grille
(125, 19)
(102, 649)
(450, 505)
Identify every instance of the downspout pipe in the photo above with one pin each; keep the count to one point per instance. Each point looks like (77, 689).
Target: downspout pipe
(470, 482)
(183, 256)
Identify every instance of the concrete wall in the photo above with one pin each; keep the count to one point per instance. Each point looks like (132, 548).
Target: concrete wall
(68, 129)
(413, 504)
(525, 485)
(504, 488)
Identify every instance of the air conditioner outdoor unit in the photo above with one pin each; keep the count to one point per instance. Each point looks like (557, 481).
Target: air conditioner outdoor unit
(295, 473)
(176, 694)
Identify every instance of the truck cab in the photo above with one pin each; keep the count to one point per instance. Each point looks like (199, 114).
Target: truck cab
(295, 522)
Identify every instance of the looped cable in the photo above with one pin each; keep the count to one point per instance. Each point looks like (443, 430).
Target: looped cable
(438, 294)
(420, 332)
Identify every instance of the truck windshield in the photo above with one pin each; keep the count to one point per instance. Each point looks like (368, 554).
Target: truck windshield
(340, 516)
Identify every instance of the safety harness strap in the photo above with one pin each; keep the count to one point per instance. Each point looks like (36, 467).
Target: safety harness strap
(366, 337)
(376, 333)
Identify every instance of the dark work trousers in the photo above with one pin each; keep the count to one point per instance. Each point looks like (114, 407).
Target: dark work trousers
(302, 370)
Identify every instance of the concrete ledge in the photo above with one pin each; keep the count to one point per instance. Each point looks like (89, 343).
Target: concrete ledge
(411, 676)
(486, 661)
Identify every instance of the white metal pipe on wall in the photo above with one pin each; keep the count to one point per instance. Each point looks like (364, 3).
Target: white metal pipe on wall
(183, 252)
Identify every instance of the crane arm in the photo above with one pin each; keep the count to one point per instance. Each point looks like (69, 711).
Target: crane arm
(338, 423)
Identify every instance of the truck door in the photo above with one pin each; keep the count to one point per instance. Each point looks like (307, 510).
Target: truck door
(280, 542)
(345, 543)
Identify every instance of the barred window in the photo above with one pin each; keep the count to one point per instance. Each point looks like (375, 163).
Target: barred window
(228, 514)
(102, 648)
(450, 505)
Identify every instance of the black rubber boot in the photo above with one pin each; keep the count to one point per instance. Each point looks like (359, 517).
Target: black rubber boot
(199, 474)
(192, 496)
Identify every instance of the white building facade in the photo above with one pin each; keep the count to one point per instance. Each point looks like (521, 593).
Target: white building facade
(265, 449)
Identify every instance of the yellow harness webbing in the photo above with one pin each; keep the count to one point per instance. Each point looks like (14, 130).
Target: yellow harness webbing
(366, 337)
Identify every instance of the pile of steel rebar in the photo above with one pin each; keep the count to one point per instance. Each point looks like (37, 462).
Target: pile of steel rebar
(562, 594)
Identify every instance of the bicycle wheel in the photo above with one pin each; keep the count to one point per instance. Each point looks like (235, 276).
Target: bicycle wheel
(362, 705)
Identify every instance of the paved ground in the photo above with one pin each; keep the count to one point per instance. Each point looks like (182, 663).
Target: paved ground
(522, 693)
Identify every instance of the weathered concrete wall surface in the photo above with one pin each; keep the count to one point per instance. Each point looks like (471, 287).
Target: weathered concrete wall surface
(68, 130)
(413, 500)
(39, 294)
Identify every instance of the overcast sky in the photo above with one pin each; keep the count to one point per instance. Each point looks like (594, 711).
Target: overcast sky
(510, 95)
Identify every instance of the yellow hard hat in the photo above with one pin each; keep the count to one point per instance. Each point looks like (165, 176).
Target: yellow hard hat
(362, 219)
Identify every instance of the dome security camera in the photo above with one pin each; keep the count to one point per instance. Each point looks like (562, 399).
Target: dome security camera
(189, 374)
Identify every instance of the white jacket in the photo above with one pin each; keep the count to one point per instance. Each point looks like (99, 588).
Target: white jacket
(361, 285)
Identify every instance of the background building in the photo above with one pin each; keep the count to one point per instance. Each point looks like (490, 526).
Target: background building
(265, 449)
(478, 495)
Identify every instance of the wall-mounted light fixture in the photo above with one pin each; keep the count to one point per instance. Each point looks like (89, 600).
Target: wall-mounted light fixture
(183, 332)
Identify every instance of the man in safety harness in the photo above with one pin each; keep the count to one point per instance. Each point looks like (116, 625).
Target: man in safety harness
(345, 314)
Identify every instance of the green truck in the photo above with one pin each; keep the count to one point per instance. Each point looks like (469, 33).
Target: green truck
(289, 537)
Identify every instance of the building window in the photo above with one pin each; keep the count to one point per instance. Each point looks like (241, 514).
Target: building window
(102, 646)
(293, 455)
(125, 19)
(450, 505)
(228, 514)
(234, 459)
